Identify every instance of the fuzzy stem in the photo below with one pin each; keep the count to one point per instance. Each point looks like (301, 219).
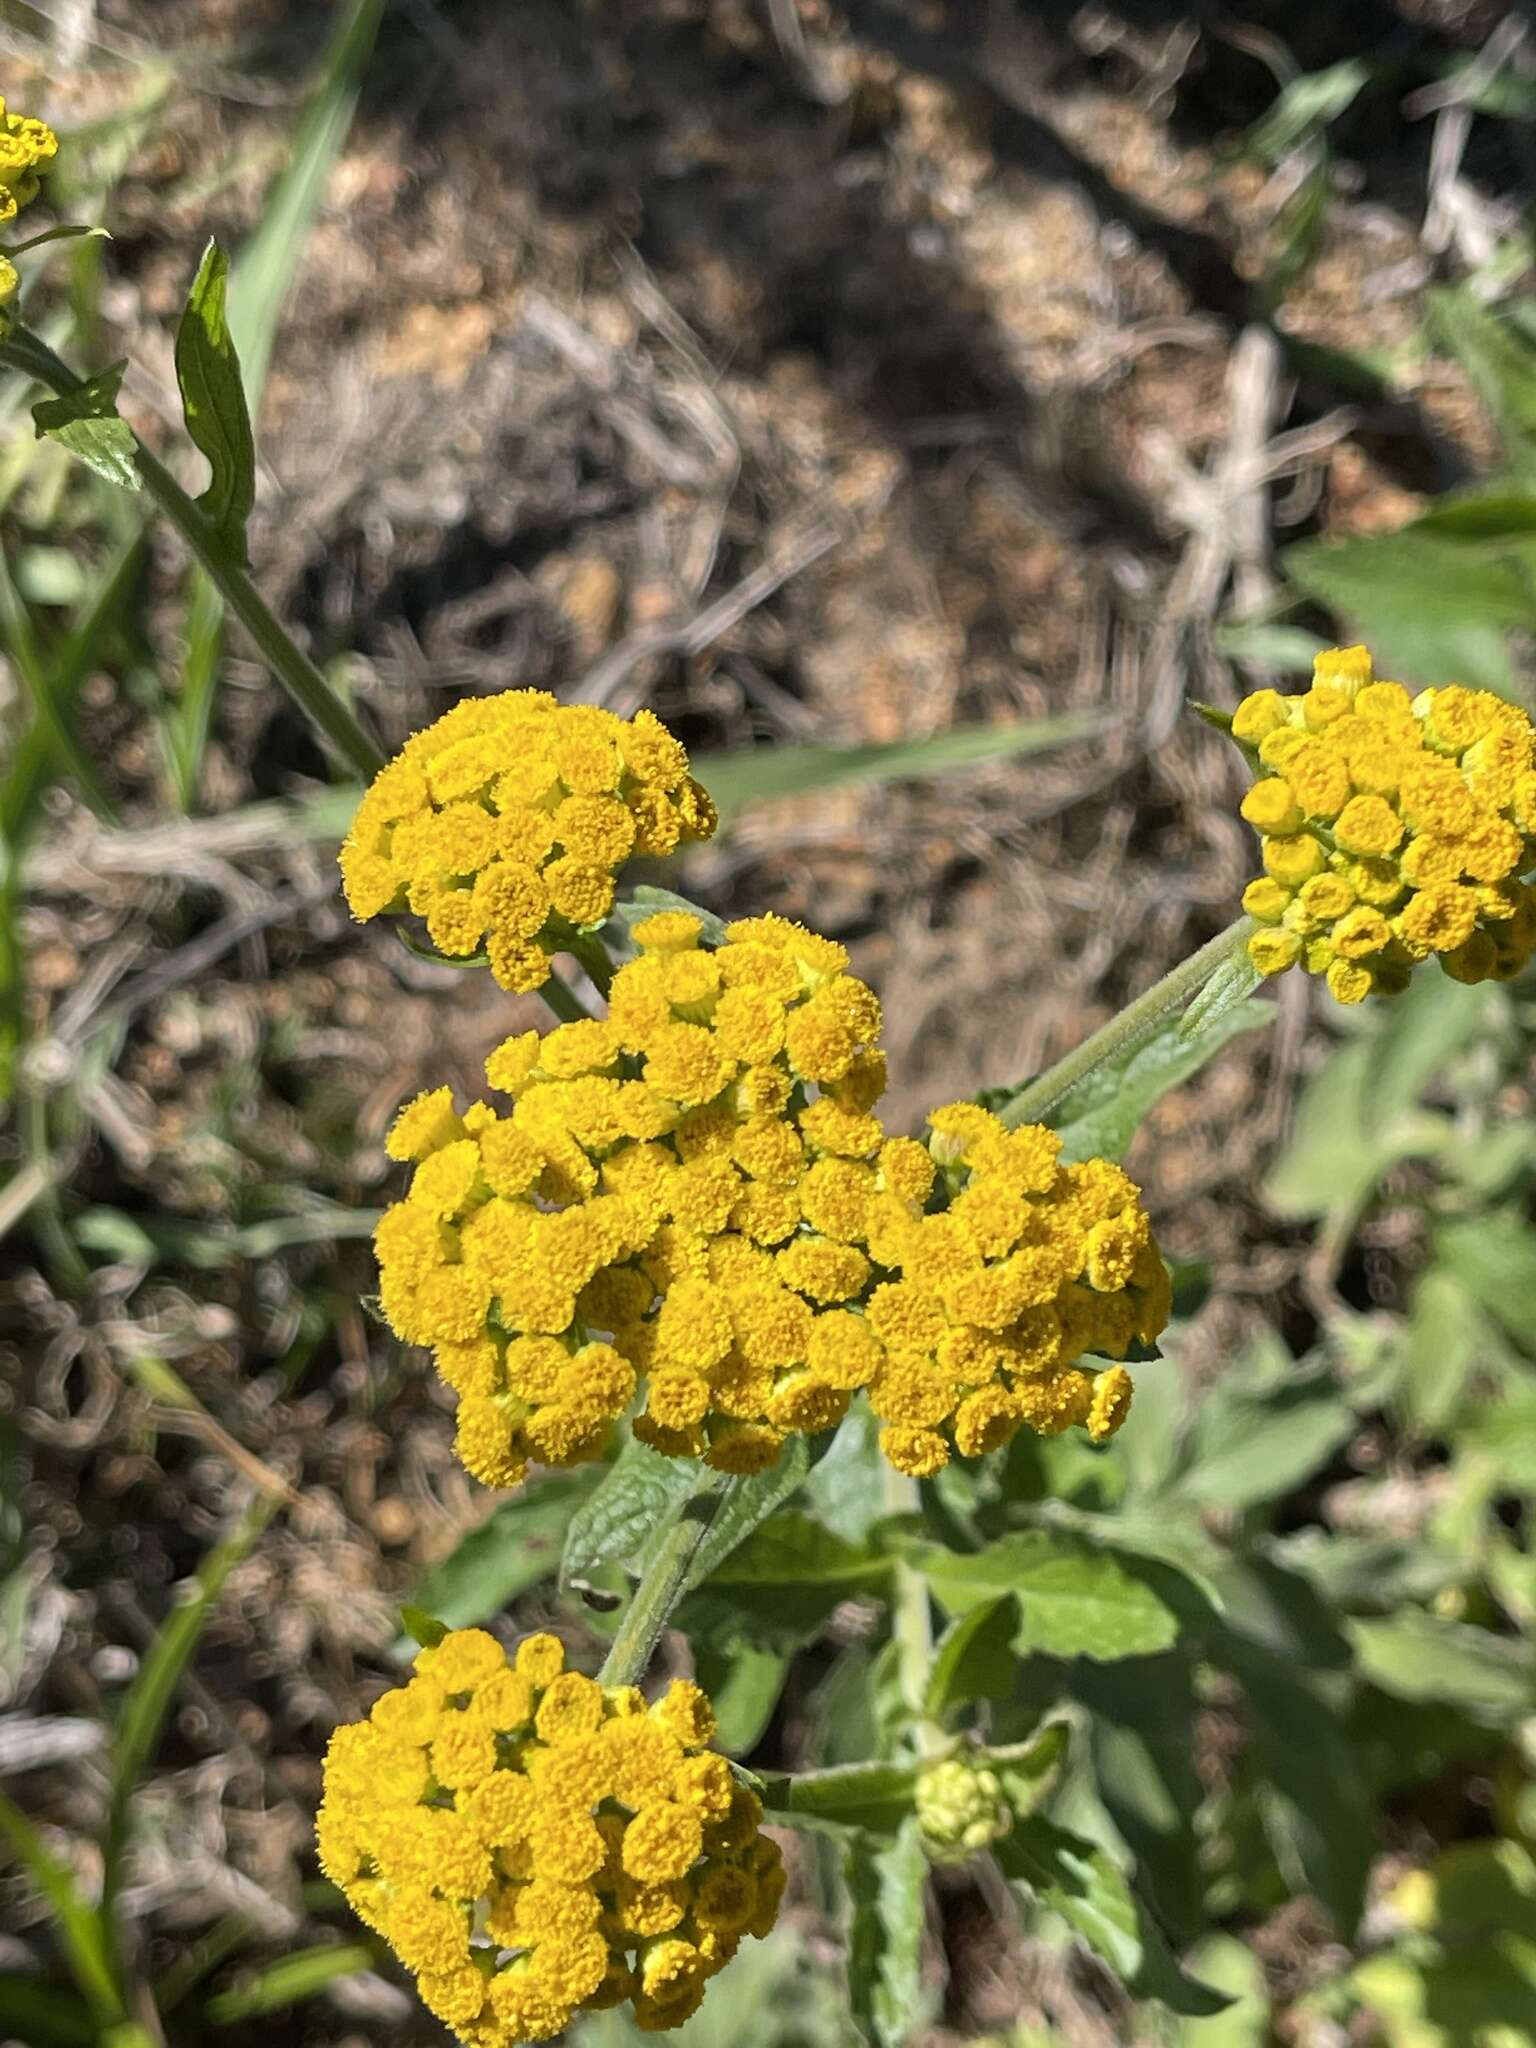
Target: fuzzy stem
(664, 1583)
(911, 1618)
(293, 668)
(564, 1001)
(1130, 1029)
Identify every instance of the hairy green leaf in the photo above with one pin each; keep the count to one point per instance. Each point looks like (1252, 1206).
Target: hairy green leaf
(887, 1886)
(1441, 595)
(1077, 1880)
(1074, 1599)
(640, 1495)
(867, 1795)
(1099, 1117)
(974, 1659)
(1420, 1656)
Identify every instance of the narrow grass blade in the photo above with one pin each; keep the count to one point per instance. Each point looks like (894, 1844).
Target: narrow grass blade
(149, 1698)
(302, 1975)
(82, 1928)
(52, 693)
(737, 779)
(58, 679)
(34, 2012)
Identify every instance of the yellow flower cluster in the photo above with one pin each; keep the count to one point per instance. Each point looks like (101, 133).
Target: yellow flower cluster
(665, 1199)
(996, 1299)
(503, 823)
(1392, 827)
(533, 1845)
(694, 1193)
(26, 145)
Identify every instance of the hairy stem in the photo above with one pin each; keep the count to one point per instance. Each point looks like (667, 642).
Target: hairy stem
(663, 1584)
(560, 997)
(911, 1618)
(293, 668)
(1130, 1029)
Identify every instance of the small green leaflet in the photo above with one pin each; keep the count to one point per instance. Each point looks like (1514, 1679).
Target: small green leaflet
(213, 401)
(88, 425)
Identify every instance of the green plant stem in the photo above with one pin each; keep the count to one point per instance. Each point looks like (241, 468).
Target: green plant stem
(560, 997)
(663, 1584)
(911, 1618)
(590, 952)
(293, 668)
(1136, 1023)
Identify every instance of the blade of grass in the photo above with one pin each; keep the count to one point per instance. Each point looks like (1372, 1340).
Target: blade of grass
(81, 1926)
(302, 1975)
(34, 2012)
(737, 779)
(149, 1698)
(262, 275)
(40, 675)
(59, 680)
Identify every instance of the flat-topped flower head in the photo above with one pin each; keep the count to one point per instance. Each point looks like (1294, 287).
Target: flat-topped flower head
(677, 1197)
(504, 823)
(27, 146)
(1392, 828)
(533, 1845)
(1002, 1308)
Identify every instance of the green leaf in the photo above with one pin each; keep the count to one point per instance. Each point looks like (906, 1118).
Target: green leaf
(744, 1682)
(1267, 646)
(1361, 1112)
(423, 1628)
(1419, 1656)
(1250, 1446)
(1493, 1257)
(1138, 1722)
(644, 902)
(148, 1699)
(1074, 1599)
(82, 1929)
(515, 1547)
(737, 779)
(304, 1974)
(749, 1503)
(887, 1886)
(845, 1485)
(1099, 1117)
(974, 1659)
(1077, 1880)
(1313, 1800)
(865, 1795)
(1440, 596)
(213, 402)
(782, 1582)
(641, 1495)
(1442, 1343)
(87, 424)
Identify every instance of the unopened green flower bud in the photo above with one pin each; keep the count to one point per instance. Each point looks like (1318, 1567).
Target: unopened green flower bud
(960, 1810)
